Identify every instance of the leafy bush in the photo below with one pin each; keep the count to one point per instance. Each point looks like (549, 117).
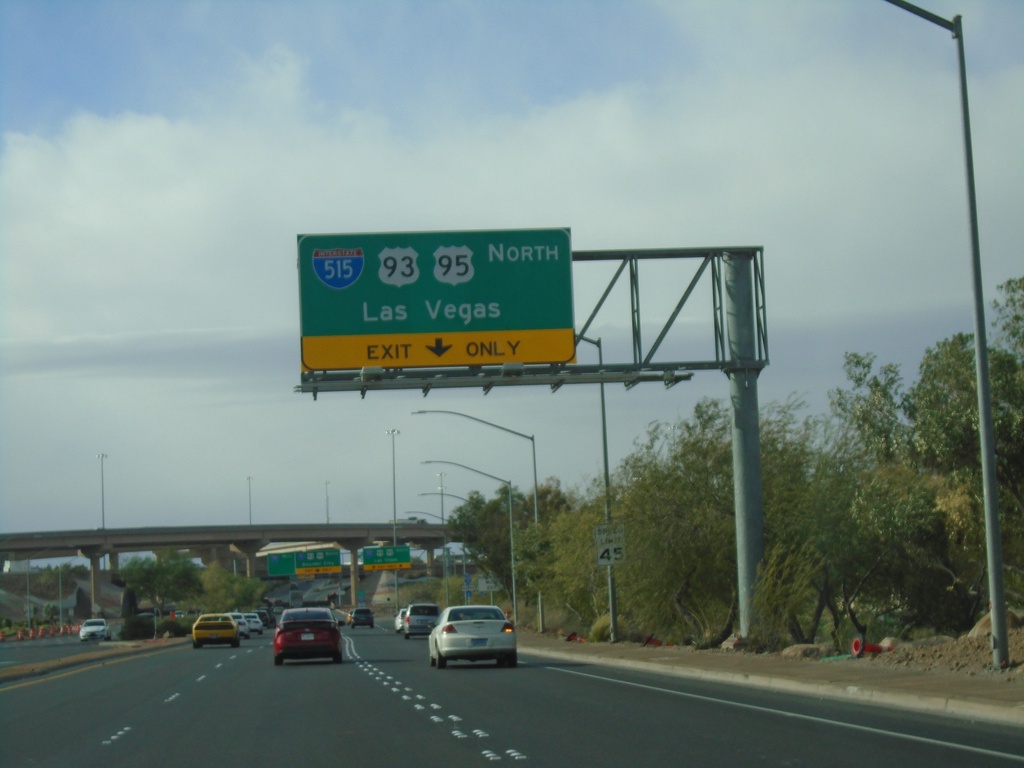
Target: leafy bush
(137, 628)
(171, 628)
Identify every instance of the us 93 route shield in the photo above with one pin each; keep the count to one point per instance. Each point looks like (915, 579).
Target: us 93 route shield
(435, 299)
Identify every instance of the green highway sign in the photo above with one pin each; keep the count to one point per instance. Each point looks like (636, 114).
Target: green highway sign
(304, 563)
(317, 561)
(386, 558)
(434, 299)
(282, 564)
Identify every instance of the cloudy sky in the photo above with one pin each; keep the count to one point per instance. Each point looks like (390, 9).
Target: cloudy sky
(159, 160)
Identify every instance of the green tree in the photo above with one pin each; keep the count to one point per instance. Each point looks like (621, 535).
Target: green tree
(226, 591)
(165, 579)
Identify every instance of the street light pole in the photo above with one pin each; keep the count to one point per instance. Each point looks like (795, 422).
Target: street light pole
(103, 494)
(249, 480)
(511, 529)
(444, 550)
(536, 487)
(327, 499)
(613, 612)
(394, 505)
(997, 598)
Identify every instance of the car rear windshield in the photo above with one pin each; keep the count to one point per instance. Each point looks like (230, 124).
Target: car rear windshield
(424, 610)
(295, 619)
(477, 614)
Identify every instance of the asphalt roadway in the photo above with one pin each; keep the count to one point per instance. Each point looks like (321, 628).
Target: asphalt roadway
(995, 697)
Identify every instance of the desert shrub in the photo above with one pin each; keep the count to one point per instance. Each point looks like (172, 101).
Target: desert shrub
(600, 630)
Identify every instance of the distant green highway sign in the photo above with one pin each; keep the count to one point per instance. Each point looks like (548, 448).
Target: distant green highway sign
(304, 563)
(435, 299)
(386, 558)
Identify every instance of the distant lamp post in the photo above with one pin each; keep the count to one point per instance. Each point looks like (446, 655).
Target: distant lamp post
(997, 597)
(249, 479)
(536, 488)
(394, 504)
(511, 529)
(327, 499)
(103, 493)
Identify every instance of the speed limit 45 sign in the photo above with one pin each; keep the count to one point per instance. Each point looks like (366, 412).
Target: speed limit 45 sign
(611, 543)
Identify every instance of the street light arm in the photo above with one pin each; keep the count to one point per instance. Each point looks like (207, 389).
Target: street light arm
(481, 421)
(926, 15)
(471, 469)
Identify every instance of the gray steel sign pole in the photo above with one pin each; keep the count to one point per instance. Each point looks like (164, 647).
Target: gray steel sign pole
(997, 598)
(742, 371)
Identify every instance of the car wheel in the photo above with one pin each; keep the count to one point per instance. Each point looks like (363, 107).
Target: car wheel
(406, 635)
(278, 661)
(236, 643)
(196, 644)
(512, 660)
(442, 662)
(371, 626)
(433, 661)
(337, 657)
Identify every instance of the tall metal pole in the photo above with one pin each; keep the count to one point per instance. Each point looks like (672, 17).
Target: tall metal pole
(327, 500)
(997, 597)
(444, 551)
(746, 432)
(613, 611)
(536, 488)
(394, 506)
(103, 494)
(249, 480)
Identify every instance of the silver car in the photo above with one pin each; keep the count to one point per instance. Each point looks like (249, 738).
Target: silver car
(420, 618)
(400, 620)
(473, 633)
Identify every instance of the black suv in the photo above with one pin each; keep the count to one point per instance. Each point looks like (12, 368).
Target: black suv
(360, 617)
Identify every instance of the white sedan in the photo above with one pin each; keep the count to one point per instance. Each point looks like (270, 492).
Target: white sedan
(94, 628)
(255, 623)
(473, 633)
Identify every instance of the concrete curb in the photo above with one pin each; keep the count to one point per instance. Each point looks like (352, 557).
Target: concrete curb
(112, 650)
(942, 705)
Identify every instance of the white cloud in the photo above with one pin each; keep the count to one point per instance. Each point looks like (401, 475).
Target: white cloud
(149, 285)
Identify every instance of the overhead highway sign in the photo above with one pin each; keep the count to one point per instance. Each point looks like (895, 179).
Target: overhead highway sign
(435, 299)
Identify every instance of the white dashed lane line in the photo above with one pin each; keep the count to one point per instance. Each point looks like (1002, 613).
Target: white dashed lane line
(452, 721)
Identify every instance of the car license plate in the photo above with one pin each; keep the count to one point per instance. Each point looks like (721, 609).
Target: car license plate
(478, 641)
(307, 635)
(214, 635)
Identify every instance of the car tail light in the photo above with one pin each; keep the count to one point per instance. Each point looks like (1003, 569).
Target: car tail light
(407, 621)
(449, 628)
(508, 627)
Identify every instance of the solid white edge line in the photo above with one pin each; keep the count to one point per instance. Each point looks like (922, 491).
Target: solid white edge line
(809, 718)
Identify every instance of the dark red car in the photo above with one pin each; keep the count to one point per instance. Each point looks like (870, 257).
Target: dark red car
(307, 633)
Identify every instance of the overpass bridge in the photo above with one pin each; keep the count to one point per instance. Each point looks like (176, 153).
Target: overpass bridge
(220, 543)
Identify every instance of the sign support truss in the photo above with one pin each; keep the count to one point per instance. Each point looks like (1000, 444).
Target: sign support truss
(642, 368)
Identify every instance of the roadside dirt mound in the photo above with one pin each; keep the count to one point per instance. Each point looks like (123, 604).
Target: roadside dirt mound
(966, 655)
